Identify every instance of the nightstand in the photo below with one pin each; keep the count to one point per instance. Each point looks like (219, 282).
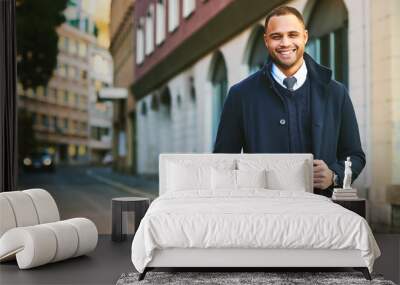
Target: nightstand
(358, 205)
(138, 205)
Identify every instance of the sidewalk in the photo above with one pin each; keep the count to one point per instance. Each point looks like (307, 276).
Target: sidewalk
(136, 185)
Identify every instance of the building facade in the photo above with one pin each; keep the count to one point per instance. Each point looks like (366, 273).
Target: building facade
(188, 53)
(122, 45)
(100, 113)
(62, 111)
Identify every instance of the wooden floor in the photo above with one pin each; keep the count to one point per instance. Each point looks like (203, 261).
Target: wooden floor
(110, 260)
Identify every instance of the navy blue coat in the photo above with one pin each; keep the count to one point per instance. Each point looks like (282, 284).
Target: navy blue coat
(253, 111)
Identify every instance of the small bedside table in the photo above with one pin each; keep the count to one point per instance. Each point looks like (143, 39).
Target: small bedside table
(138, 205)
(358, 205)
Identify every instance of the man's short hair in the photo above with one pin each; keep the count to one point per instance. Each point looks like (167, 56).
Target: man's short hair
(283, 10)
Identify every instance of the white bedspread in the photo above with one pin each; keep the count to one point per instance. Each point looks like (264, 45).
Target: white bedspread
(250, 219)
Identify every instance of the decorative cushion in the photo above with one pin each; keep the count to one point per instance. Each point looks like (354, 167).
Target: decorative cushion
(281, 174)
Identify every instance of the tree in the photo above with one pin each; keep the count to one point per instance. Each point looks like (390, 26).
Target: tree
(37, 40)
(27, 141)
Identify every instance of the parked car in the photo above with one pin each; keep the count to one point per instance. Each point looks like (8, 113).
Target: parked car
(39, 161)
(108, 159)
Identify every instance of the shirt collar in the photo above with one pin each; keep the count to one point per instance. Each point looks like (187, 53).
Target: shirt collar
(301, 75)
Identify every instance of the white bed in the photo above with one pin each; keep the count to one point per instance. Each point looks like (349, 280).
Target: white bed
(248, 226)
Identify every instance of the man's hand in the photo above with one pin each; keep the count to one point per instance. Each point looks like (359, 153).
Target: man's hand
(322, 175)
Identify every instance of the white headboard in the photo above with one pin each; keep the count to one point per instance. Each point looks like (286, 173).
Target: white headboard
(164, 157)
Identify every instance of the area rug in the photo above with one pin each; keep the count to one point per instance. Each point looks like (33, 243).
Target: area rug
(243, 278)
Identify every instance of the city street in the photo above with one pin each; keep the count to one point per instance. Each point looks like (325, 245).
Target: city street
(87, 192)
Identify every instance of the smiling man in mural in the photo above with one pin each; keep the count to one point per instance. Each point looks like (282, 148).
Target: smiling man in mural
(292, 105)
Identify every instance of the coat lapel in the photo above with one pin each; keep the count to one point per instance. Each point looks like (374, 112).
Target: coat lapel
(319, 99)
(320, 78)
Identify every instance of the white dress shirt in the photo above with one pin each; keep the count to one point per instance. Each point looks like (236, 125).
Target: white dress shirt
(300, 75)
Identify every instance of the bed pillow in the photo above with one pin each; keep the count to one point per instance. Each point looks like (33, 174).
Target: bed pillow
(223, 179)
(226, 179)
(281, 174)
(251, 178)
(294, 180)
(193, 174)
(189, 177)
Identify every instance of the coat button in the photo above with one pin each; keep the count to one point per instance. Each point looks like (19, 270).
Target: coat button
(282, 122)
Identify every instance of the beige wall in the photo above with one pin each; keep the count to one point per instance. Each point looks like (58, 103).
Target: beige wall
(385, 103)
(117, 13)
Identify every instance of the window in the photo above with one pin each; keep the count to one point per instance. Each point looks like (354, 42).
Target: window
(73, 72)
(82, 150)
(66, 97)
(73, 47)
(331, 50)
(97, 133)
(52, 94)
(83, 127)
(83, 49)
(219, 80)
(45, 121)
(166, 101)
(66, 125)
(140, 42)
(30, 92)
(67, 70)
(71, 97)
(61, 43)
(192, 89)
(258, 54)
(40, 91)
(97, 85)
(328, 43)
(60, 96)
(150, 30)
(106, 131)
(83, 102)
(20, 88)
(74, 126)
(34, 118)
(55, 122)
(83, 74)
(144, 109)
(188, 7)
(173, 14)
(154, 103)
(62, 70)
(76, 100)
(160, 21)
